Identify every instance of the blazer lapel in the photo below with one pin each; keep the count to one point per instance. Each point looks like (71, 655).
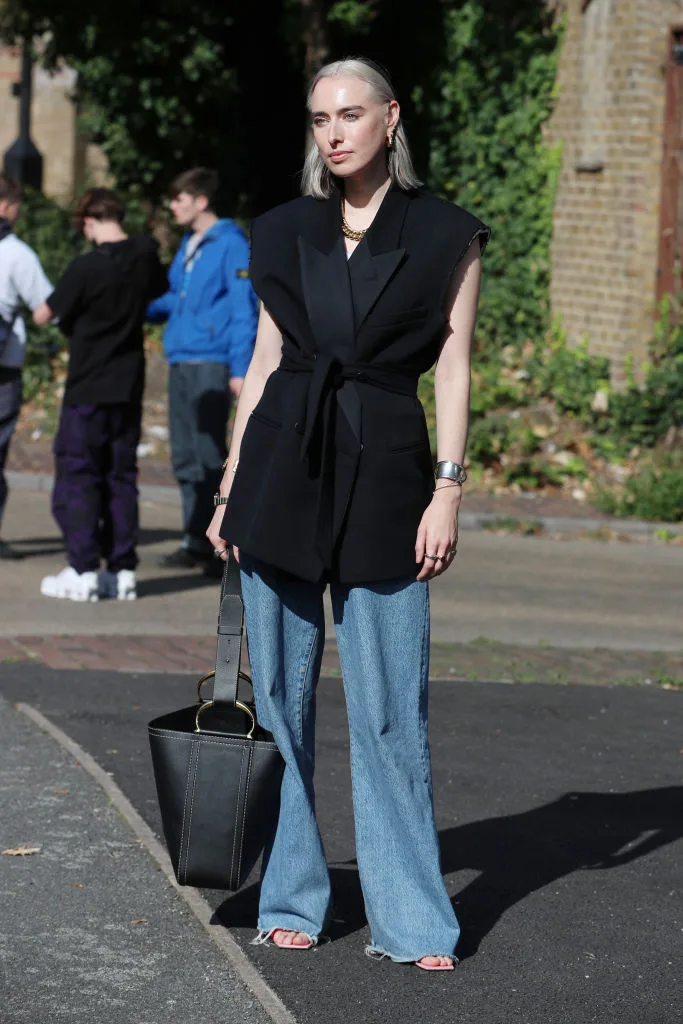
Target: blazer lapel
(372, 274)
(325, 268)
(325, 277)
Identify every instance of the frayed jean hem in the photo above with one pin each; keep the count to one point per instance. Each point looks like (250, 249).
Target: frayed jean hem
(264, 936)
(375, 953)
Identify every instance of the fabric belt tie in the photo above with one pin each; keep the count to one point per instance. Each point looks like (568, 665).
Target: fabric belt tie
(328, 375)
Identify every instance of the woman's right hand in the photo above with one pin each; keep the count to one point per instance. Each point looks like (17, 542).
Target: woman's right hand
(214, 535)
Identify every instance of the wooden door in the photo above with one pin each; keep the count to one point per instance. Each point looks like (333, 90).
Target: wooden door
(670, 219)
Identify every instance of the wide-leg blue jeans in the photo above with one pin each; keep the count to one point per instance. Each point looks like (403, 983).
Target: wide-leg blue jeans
(383, 639)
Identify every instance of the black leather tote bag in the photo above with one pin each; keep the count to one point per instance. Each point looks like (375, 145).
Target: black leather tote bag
(218, 773)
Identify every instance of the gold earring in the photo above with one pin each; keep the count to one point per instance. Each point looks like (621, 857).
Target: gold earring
(390, 139)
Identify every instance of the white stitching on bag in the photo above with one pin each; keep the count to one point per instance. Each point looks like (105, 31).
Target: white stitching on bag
(244, 811)
(234, 829)
(221, 743)
(189, 824)
(182, 828)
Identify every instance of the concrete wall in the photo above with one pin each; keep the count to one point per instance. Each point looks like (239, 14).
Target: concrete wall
(610, 117)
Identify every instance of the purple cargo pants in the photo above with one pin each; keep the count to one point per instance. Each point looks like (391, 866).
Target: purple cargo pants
(95, 497)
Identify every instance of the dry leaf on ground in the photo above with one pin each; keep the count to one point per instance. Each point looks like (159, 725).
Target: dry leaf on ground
(139, 920)
(20, 851)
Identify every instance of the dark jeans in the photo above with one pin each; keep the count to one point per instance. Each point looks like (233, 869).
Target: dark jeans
(10, 404)
(199, 403)
(95, 497)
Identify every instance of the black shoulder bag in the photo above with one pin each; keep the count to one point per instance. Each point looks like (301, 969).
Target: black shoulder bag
(218, 773)
(6, 328)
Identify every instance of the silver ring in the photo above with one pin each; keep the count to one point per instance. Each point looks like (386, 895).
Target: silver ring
(219, 552)
(435, 558)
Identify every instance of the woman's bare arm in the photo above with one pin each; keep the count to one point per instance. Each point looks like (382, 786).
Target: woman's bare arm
(266, 359)
(438, 531)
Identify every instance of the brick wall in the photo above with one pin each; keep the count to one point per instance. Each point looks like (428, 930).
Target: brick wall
(609, 118)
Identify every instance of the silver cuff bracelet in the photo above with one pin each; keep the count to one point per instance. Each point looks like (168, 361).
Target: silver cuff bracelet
(451, 471)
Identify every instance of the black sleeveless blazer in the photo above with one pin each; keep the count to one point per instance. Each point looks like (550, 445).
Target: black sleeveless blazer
(335, 468)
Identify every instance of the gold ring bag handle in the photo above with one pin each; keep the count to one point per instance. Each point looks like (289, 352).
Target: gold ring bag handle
(209, 675)
(238, 704)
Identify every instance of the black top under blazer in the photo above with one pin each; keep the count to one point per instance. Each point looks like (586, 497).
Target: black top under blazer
(335, 469)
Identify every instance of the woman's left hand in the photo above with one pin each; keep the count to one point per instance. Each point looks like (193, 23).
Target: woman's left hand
(437, 534)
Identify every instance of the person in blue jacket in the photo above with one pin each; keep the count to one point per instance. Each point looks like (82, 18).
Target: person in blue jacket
(210, 311)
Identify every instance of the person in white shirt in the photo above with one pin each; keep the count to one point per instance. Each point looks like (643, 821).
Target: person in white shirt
(22, 282)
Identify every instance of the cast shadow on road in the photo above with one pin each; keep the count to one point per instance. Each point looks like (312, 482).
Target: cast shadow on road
(37, 547)
(32, 547)
(516, 855)
(175, 584)
(147, 535)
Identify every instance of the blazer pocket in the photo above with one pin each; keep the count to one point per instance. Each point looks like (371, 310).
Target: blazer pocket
(410, 446)
(408, 316)
(266, 420)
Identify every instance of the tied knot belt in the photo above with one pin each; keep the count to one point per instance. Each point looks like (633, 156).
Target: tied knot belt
(328, 375)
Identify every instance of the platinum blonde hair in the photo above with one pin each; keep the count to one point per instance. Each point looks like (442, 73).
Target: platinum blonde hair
(317, 179)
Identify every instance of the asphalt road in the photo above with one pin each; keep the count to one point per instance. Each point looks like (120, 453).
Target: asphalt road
(560, 816)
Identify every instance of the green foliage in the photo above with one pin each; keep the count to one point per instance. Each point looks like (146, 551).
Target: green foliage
(48, 228)
(645, 412)
(656, 492)
(353, 15)
(160, 90)
(570, 376)
(511, 524)
(664, 534)
(487, 103)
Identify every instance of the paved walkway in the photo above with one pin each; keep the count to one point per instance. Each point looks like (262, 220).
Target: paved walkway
(519, 591)
(478, 660)
(91, 931)
(35, 457)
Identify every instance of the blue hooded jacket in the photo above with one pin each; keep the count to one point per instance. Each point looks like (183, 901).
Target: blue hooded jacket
(211, 310)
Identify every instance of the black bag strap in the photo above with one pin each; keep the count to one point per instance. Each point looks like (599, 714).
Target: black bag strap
(230, 633)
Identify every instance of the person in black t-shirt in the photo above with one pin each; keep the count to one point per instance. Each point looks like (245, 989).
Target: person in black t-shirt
(100, 302)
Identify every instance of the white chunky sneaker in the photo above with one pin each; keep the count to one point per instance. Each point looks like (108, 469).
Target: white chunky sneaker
(71, 585)
(119, 585)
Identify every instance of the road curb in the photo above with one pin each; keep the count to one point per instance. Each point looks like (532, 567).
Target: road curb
(269, 1000)
(635, 529)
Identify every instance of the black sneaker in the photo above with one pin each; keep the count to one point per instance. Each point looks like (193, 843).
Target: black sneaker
(183, 558)
(8, 554)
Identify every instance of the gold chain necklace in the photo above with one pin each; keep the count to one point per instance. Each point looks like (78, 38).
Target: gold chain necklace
(347, 231)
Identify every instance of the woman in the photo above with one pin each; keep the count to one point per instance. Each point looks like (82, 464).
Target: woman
(365, 282)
